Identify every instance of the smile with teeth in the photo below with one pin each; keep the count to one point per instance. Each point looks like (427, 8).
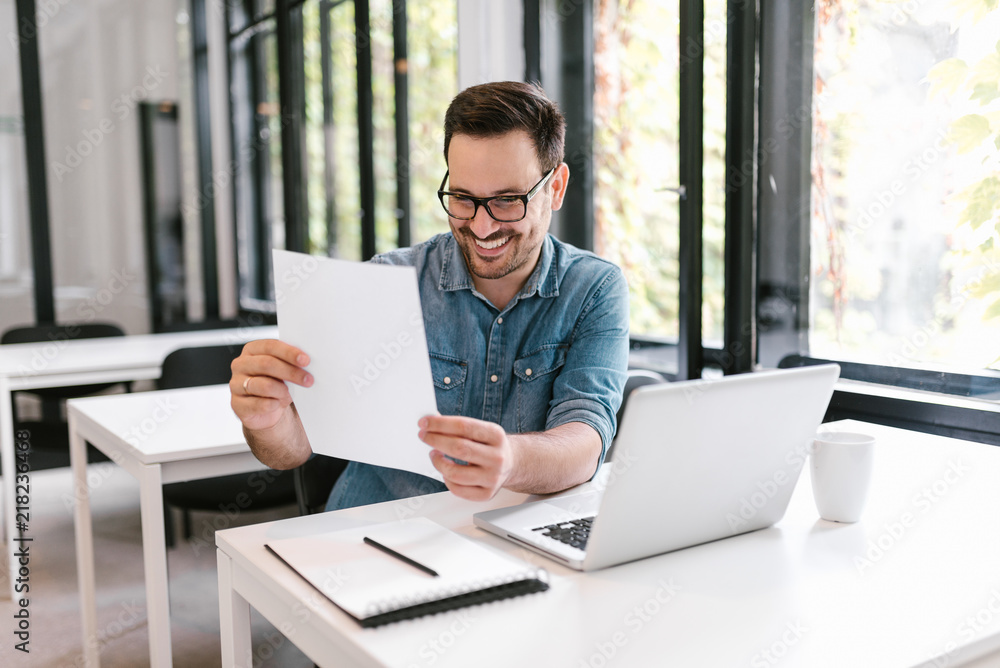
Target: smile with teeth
(490, 245)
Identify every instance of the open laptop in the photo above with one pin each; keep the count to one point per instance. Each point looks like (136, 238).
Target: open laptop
(694, 461)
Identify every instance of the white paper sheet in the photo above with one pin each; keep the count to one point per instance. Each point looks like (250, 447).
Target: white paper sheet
(363, 329)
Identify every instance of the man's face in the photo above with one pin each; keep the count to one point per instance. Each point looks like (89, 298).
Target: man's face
(503, 165)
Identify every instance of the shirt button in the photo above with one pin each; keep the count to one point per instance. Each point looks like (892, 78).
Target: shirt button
(494, 378)
(527, 372)
(447, 380)
(500, 320)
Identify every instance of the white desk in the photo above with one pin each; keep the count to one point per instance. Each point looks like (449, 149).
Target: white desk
(28, 366)
(796, 594)
(158, 437)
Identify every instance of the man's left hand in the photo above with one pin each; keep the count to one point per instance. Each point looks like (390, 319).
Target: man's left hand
(484, 446)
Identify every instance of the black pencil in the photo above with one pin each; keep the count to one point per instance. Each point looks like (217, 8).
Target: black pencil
(402, 557)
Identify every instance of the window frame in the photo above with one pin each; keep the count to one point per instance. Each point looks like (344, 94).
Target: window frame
(761, 72)
(937, 401)
(254, 267)
(32, 118)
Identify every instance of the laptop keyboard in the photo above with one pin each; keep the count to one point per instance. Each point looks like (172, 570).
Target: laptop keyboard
(574, 533)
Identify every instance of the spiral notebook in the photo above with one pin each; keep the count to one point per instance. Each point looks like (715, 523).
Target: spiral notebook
(376, 588)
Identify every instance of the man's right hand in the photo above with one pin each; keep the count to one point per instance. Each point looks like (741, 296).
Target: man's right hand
(260, 397)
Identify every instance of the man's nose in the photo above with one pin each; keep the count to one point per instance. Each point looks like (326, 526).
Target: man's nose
(483, 224)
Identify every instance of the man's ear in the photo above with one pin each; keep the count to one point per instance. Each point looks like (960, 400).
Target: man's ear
(558, 182)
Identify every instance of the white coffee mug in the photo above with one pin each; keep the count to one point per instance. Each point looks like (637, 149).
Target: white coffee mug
(841, 468)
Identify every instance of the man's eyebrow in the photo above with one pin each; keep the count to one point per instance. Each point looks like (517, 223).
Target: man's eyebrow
(495, 193)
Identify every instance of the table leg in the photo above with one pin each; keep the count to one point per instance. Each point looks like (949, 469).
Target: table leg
(154, 557)
(7, 439)
(234, 618)
(84, 544)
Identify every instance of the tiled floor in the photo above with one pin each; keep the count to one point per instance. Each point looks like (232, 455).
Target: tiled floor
(55, 628)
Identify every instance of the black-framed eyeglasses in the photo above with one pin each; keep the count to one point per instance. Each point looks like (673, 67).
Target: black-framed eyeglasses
(502, 208)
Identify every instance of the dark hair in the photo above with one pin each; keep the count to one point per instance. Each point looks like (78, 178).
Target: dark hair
(493, 109)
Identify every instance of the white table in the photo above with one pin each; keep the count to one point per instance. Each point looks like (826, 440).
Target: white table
(159, 437)
(918, 579)
(60, 363)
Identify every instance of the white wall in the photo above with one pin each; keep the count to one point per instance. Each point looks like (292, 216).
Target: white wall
(99, 58)
(16, 296)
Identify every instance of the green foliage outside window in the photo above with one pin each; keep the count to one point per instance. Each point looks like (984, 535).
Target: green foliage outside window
(906, 183)
(332, 148)
(636, 105)
(973, 86)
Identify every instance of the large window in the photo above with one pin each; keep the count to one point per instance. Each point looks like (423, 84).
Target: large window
(359, 89)
(878, 206)
(906, 184)
(834, 168)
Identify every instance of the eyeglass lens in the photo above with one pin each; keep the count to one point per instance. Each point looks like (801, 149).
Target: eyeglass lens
(503, 209)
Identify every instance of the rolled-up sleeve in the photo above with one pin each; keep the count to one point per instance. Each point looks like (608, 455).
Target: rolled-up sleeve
(590, 385)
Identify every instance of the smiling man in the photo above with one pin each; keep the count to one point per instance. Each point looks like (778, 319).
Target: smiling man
(528, 336)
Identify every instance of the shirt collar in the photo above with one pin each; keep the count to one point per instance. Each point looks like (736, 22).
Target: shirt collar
(544, 279)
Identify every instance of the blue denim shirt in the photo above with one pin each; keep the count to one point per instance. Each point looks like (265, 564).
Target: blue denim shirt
(557, 353)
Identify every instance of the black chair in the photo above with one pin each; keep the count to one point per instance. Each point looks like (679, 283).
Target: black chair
(210, 365)
(50, 433)
(636, 378)
(314, 480)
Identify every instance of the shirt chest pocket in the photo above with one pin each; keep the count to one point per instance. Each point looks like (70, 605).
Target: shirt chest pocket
(449, 383)
(535, 373)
